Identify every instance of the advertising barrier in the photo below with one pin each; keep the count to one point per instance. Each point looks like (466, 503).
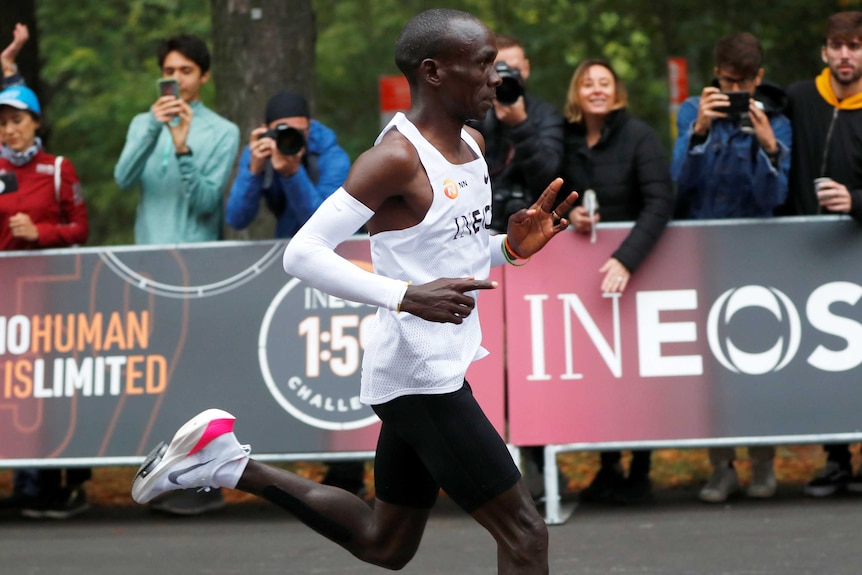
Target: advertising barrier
(731, 333)
(104, 352)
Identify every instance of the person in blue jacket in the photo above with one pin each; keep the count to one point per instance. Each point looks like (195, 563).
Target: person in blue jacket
(734, 165)
(729, 165)
(293, 162)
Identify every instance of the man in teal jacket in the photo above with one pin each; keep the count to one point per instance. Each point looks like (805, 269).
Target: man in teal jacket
(180, 153)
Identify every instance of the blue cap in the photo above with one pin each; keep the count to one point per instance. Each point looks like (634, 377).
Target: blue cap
(20, 97)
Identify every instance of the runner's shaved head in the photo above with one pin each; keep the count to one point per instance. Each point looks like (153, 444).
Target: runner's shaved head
(429, 34)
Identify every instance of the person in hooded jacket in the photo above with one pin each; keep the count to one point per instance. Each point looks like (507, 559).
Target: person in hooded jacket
(622, 160)
(734, 166)
(293, 185)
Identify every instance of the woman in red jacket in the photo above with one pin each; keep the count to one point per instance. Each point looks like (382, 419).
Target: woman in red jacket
(47, 210)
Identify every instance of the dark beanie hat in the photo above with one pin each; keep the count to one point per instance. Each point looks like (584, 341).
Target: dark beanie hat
(286, 105)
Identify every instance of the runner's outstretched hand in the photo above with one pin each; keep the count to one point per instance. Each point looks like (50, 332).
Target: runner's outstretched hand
(443, 300)
(530, 229)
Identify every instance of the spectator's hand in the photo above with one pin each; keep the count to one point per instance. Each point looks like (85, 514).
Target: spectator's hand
(166, 109)
(180, 130)
(530, 229)
(762, 128)
(260, 148)
(513, 114)
(286, 166)
(443, 300)
(710, 99)
(835, 197)
(616, 276)
(581, 220)
(20, 35)
(23, 227)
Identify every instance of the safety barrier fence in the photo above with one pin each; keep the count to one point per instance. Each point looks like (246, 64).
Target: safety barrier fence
(730, 333)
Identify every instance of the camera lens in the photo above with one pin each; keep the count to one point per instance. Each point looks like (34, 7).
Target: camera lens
(512, 86)
(288, 140)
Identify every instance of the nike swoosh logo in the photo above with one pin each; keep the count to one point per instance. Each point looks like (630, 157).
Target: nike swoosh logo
(174, 476)
(486, 178)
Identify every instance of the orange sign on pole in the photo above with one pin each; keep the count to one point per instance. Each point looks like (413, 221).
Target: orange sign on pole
(394, 97)
(677, 74)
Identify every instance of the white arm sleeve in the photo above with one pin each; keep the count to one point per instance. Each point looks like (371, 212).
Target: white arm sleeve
(496, 247)
(310, 255)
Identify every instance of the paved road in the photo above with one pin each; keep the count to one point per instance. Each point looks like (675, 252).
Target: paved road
(789, 535)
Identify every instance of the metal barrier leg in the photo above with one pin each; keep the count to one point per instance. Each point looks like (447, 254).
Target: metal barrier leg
(555, 512)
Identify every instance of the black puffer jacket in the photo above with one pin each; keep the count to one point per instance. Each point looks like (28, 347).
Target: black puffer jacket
(629, 171)
(522, 159)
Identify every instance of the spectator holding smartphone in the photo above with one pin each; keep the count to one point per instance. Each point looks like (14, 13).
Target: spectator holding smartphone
(180, 153)
(727, 168)
(726, 164)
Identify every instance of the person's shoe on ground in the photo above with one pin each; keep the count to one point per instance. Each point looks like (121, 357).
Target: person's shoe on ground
(723, 483)
(855, 483)
(204, 453)
(64, 504)
(763, 483)
(603, 485)
(831, 479)
(633, 490)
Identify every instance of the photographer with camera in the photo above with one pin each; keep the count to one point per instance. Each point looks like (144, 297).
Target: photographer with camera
(293, 162)
(734, 163)
(523, 137)
(180, 152)
(732, 154)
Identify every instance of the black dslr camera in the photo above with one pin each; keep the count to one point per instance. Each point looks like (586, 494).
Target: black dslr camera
(512, 87)
(288, 140)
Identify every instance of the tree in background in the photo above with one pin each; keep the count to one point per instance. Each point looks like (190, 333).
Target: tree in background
(261, 50)
(99, 69)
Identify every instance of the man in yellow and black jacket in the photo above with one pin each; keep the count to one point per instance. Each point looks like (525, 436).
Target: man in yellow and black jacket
(826, 114)
(826, 173)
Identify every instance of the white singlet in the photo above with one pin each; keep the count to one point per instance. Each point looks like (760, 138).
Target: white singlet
(408, 355)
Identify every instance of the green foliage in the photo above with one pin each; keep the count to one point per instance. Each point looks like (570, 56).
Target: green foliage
(100, 62)
(100, 70)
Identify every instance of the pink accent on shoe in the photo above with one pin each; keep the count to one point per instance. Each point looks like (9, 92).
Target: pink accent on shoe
(215, 428)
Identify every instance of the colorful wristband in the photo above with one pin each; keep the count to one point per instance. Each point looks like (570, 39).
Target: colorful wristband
(511, 256)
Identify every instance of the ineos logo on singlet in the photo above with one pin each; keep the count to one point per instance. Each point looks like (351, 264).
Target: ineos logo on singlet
(473, 222)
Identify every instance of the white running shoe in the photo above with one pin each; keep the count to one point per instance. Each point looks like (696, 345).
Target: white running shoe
(204, 453)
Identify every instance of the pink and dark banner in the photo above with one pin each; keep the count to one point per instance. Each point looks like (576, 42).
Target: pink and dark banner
(734, 329)
(738, 329)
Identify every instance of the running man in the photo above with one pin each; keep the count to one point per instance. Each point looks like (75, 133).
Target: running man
(424, 195)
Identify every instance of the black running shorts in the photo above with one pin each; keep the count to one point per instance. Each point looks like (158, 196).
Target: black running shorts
(428, 442)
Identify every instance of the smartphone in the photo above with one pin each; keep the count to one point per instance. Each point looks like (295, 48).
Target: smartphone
(8, 183)
(169, 87)
(738, 103)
